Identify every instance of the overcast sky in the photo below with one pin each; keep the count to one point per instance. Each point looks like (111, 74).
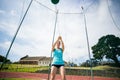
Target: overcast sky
(35, 35)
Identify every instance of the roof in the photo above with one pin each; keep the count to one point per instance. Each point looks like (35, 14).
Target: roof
(45, 59)
(40, 58)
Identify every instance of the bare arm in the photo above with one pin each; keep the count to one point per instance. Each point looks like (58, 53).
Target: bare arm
(53, 46)
(63, 47)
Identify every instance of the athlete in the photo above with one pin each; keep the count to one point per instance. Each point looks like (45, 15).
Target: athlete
(58, 62)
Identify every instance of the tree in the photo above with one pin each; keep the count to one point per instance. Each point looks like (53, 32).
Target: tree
(88, 64)
(2, 58)
(109, 47)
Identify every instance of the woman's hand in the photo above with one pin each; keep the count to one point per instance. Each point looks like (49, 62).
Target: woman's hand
(59, 38)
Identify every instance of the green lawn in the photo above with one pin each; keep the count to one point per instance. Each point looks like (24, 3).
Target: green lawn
(22, 68)
(105, 68)
(34, 68)
(95, 68)
(105, 71)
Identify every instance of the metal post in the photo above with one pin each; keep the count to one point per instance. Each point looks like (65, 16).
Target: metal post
(88, 44)
(15, 35)
(52, 43)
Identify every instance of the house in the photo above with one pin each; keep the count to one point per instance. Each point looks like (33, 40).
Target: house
(41, 60)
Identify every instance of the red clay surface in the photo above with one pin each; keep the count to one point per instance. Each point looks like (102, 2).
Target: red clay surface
(44, 76)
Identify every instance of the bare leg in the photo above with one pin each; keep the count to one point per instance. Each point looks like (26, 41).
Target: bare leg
(62, 72)
(53, 72)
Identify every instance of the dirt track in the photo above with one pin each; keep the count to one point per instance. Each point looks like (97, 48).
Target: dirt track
(44, 76)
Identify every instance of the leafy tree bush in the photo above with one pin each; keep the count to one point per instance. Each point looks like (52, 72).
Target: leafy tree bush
(109, 47)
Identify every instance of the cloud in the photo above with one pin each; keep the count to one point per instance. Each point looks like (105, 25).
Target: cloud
(2, 11)
(13, 12)
(5, 44)
(102, 11)
(9, 28)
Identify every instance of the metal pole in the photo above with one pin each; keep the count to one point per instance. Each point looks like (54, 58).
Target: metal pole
(16, 34)
(88, 44)
(52, 43)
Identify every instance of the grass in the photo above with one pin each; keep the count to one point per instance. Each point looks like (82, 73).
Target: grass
(22, 68)
(105, 71)
(106, 67)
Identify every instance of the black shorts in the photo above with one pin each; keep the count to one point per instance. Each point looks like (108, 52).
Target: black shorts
(58, 66)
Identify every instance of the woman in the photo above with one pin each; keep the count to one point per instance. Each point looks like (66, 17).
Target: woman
(58, 62)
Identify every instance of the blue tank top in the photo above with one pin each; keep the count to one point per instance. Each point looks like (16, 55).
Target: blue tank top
(58, 57)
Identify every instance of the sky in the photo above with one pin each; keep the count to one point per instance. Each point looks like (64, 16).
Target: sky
(36, 33)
